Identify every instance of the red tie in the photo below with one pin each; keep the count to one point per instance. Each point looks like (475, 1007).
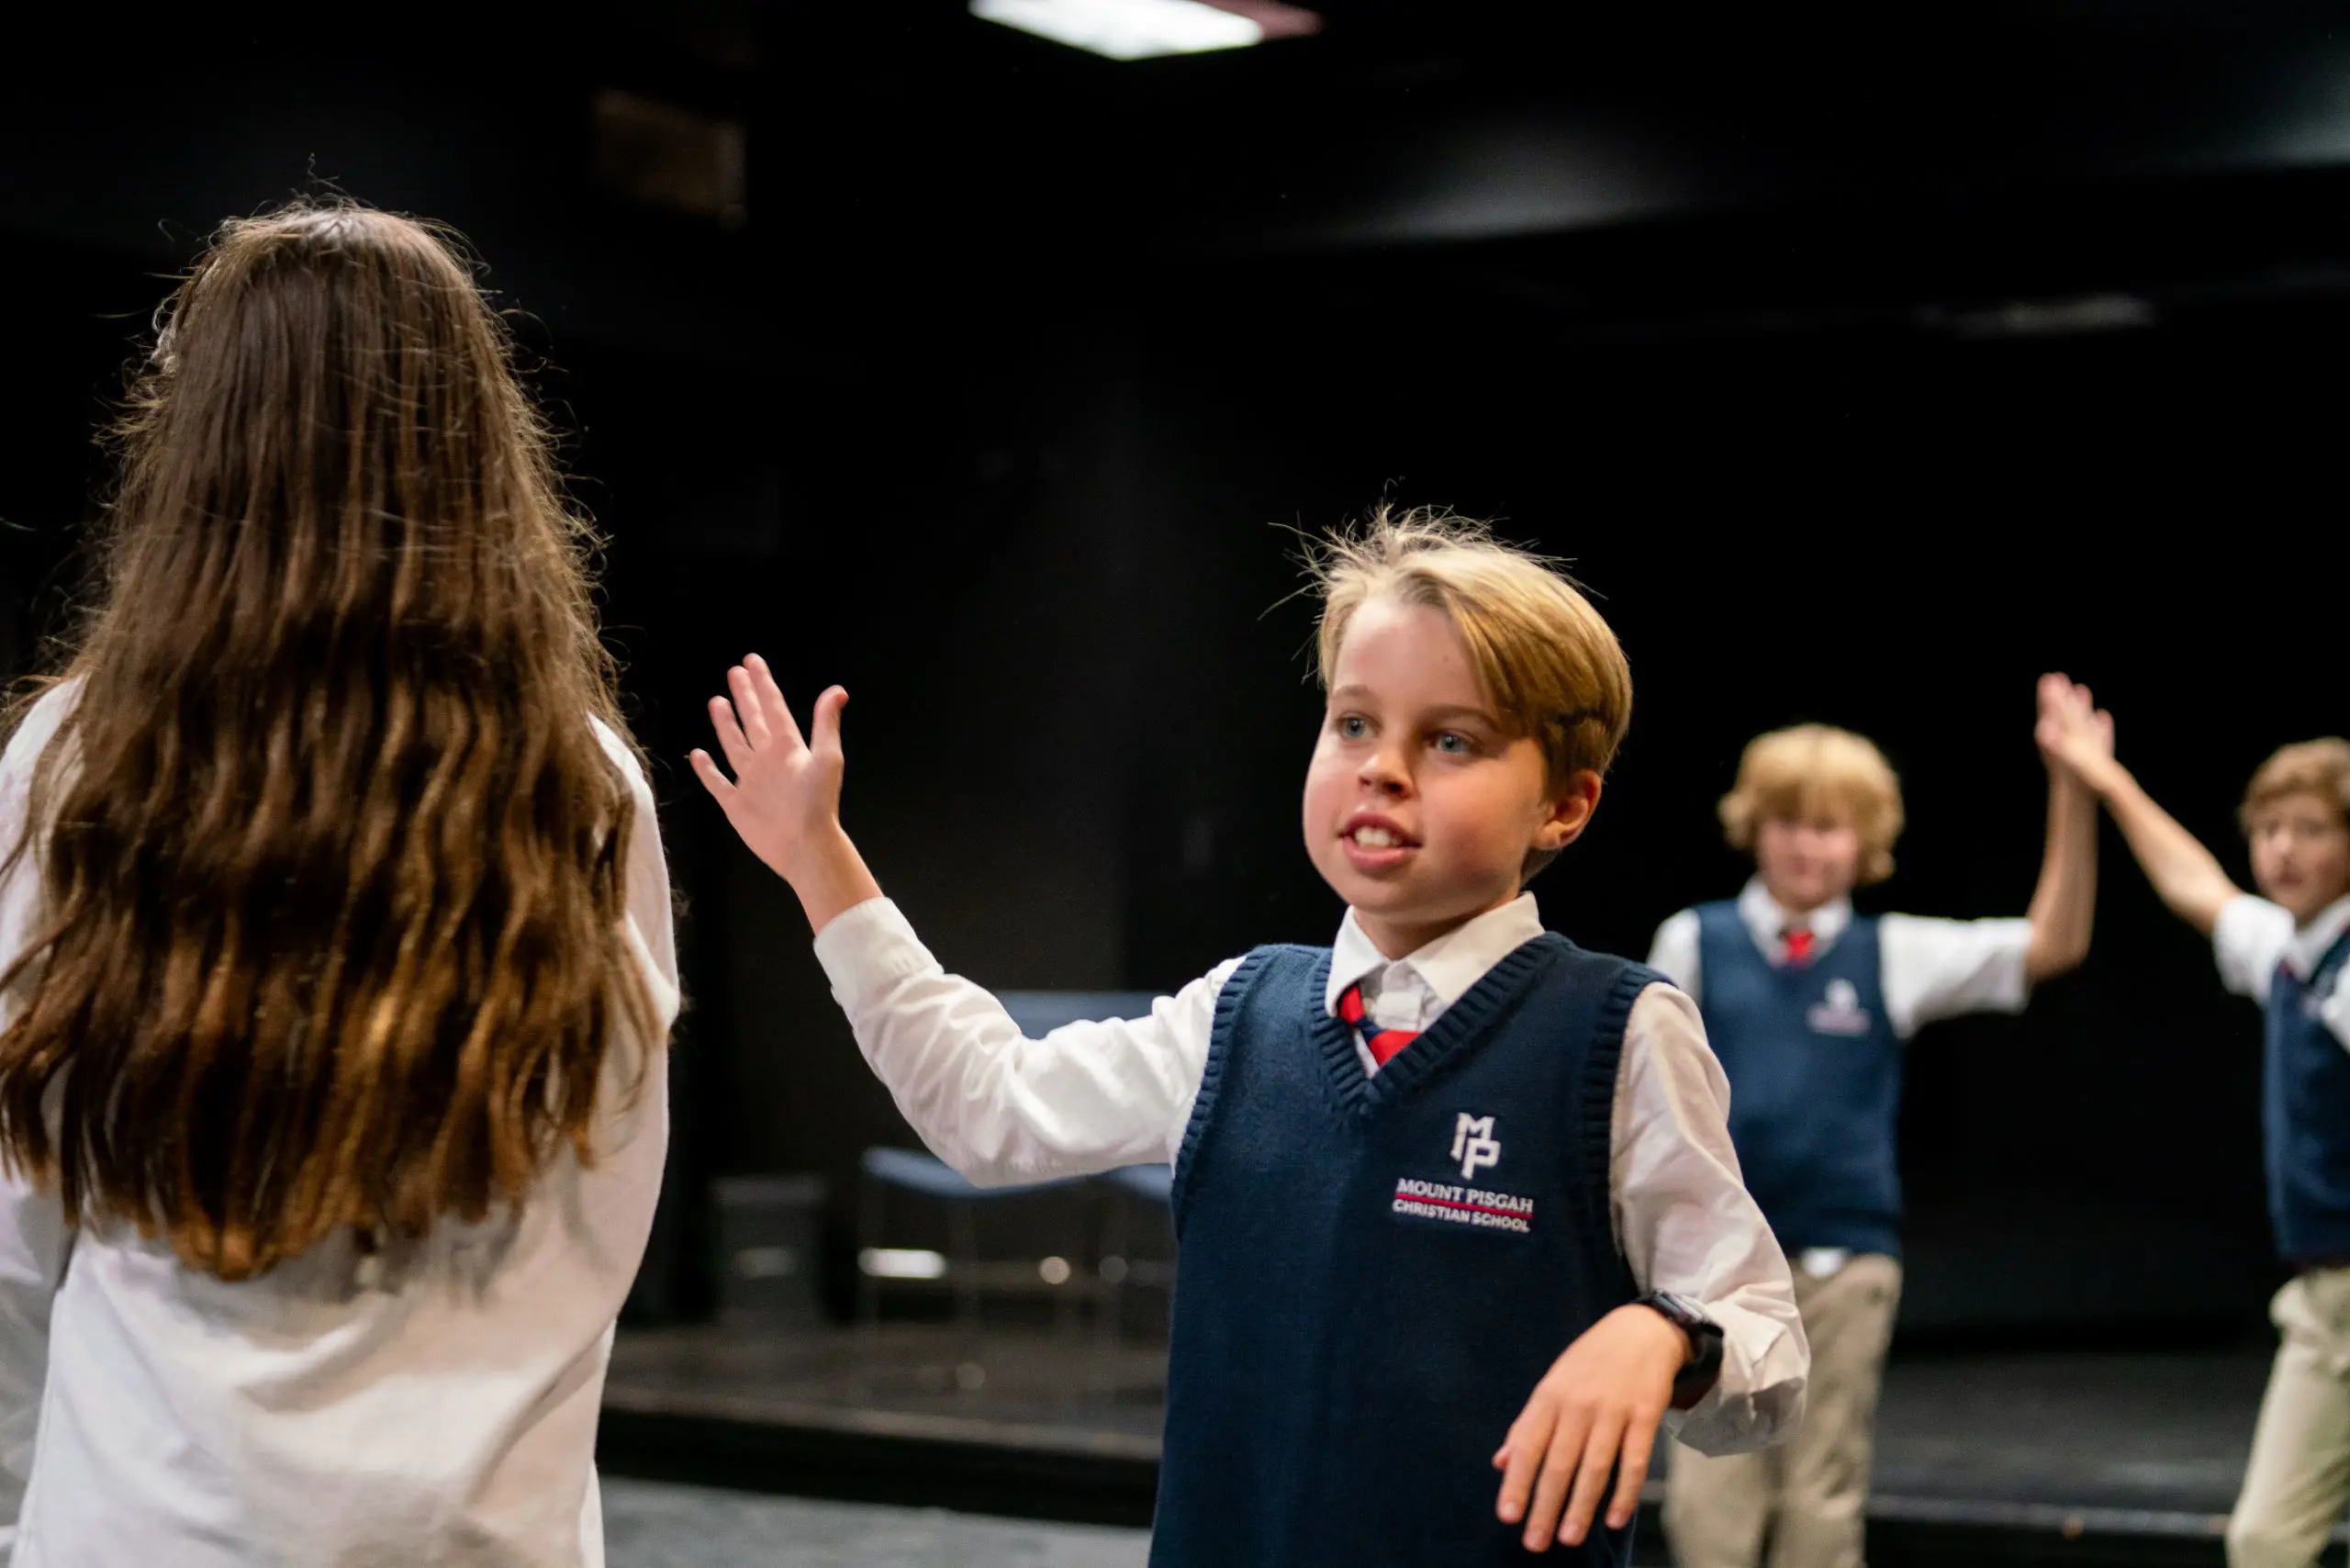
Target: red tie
(1382, 1043)
(1798, 938)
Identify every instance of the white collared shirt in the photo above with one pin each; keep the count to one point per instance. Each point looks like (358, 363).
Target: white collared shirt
(433, 1402)
(1091, 1096)
(1412, 991)
(1928, 970)
(2252, 936)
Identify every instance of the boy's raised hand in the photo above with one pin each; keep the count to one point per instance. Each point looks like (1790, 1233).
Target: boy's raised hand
(785, 798)
(1594, 1411)
(2073, 733)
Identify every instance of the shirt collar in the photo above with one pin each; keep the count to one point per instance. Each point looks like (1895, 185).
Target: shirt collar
(1767, 922)
(1448, 966)
(2310, 943)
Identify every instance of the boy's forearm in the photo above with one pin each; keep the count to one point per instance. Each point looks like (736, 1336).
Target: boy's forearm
(2063, 905)
(830, 879)
(2186, 876)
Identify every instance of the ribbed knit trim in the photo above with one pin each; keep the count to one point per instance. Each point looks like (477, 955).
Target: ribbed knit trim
(1228, 1003)
(1480, 1008)
(1601, 1062)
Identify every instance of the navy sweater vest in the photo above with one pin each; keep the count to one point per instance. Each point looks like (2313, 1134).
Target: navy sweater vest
(1815, 1082)
(1376, 1271)
(2305, 1111)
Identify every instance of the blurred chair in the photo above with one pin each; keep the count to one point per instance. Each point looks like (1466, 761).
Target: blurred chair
(1061, 1260)
(1138, 1244)
(767, 1230)
(965, 1270)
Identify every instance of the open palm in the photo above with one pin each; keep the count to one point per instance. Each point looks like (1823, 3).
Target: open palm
(785, 796)
(2072, 731)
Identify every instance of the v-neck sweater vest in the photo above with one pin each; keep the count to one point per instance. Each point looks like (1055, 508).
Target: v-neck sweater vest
(1376, 1270)
(2305, 1112)
(1815, 1082)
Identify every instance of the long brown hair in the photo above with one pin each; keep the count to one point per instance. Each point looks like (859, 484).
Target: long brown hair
(332, 861)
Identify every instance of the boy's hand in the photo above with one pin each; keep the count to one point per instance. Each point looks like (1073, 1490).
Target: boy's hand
(785, 798)
(2073, 733)
(1596, 1410)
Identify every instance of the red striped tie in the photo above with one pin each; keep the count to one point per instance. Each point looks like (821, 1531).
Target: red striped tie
(1382, 1043)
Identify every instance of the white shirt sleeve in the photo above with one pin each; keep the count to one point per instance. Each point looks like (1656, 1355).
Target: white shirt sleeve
(1687, 1224)
(34, 1240)
(34, 1244)
(1674, 953)
(2249, 940)
(1000, 1108)
(1933, 970)
(651, 924)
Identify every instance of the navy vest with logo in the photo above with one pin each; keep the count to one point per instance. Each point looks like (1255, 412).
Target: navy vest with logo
(1378, 1269)
(2306, 1113)
(1815, 1082)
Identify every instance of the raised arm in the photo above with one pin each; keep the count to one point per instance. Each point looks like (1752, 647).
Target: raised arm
(785, 798)
(2063, 905)
(999, 1107)
(2186, 876)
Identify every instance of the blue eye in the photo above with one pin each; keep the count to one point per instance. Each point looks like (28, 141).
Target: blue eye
(1352, 726)
(1454, 744)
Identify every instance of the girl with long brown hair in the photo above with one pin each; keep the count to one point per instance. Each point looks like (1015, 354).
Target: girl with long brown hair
(335, 955)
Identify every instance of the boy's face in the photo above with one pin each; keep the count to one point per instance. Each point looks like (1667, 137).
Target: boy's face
(1420, 806)
(2300, 853)
(1807, 860)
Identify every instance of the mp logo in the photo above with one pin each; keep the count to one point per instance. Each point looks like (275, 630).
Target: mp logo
(1841, 1013)
(1474, 1144)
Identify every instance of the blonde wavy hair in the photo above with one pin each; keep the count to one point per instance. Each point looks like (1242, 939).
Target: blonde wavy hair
(332, 858)
(1813, 769)
(2320, 767)
(1551, 667)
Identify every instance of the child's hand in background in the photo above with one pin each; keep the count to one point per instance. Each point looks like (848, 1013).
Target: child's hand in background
(785, 798)
(1594, 1411)
(2073, 733)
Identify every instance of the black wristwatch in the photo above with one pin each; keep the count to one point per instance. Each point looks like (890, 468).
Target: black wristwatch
(1703, 1368)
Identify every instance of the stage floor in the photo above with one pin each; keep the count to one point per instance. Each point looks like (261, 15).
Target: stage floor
(651, 1525)
(2088, 1457)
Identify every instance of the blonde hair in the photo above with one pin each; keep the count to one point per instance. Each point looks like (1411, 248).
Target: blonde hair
(1794, 771)
(2320, 767)
(1547, 662)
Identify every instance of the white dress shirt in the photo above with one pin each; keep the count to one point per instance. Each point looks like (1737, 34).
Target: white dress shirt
(2252, 936)
(1928, 970)
(435, 1403)
(1090, 1096)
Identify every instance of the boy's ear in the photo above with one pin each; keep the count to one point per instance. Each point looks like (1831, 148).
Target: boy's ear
(1570, 806)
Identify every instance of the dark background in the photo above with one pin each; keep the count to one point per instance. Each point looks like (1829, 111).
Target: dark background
(1865, 372)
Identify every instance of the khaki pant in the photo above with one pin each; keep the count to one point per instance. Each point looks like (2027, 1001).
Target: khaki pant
(2298, 1478)
(1813, 1488)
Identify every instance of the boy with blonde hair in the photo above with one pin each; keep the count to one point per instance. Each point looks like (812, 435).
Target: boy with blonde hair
(1449, 1183)
(2287, 949)
(1808, 1006)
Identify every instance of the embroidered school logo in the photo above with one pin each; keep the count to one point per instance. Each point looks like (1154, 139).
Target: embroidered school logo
(1475, 1145)
(1474, 1206)
(1841, 1013)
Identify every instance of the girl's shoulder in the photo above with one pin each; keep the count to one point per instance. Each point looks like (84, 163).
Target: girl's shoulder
(36, 730)
(624, 757)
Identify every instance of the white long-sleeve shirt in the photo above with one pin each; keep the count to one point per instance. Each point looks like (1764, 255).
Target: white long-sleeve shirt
(435, 1404)
(1090, 1096)
(2252, 936)
(1930, 969)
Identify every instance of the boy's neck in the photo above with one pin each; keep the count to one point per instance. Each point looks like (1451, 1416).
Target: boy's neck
(2303, 922)
(1401, 939)
(1798, 909)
